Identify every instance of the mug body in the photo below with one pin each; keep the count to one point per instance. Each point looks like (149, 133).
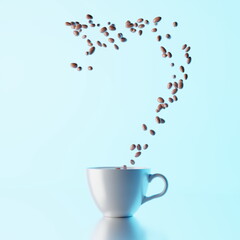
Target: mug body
(118, 192)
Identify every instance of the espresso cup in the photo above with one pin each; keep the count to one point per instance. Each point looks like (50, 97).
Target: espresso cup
(120, 192)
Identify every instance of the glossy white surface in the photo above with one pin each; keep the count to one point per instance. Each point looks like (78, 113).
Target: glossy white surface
(119, 193)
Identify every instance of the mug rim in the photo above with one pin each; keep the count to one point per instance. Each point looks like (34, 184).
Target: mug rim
(117, 168)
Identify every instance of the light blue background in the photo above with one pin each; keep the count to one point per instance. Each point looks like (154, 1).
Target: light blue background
(55, 122)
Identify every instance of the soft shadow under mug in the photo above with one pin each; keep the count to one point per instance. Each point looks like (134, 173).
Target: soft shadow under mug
(120, 192)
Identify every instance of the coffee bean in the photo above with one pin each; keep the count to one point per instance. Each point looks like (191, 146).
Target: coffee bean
(104, 45)
(175, 24)
(185, 76)
(141, 25)
(137, 154)
(99, 43)
(145, 146)
(173, 76)
(169, 54)
(169, 85)
(160, 99)
(124, 167)
(163, 49)
(152, 132)
(84, 36)
(73, 65)
(120, 35)
(90, 21)
(175, 84)
(98, 25)
(76, 33)
(159, 38)
(157, 119)
(92, 25)
(103, 29)
(84, 26)
(186, 55)
(109, 23)
(88, 16)
(157, 19)
(86, 53)
(162, 120)
(174, 91)
(168, 36)
(140, 32)
(90, 68)
(111, 40)
(139, 147)
(165, 105)
(67, 23)
(132, 147)
(112, 28)
(80, 30)
(189, 60)
(132, 162)
(146, 22)
(133, 30)
(180, 84)
(123, 39)
(73, 26)
(157, 110)
(128, 24)
(91, 50)
(144, 127)
(116, 46)
(160, 106)
(106, 34)
(164, 55)
(172, 64)
(154, 30)
(184, 46)
(79, 68)
(78, 26)
(170, 100)
(135, 24)
(140, 20)
(181, 68)
(175, 98)
(187, 49)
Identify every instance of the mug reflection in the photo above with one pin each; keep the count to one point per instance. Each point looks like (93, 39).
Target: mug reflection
(118, 229)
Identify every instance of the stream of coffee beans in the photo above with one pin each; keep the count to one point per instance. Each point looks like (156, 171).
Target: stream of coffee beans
(140, 25)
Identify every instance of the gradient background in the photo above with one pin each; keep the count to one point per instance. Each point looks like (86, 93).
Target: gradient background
(55, 122)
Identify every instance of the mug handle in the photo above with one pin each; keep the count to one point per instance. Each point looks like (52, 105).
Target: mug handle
(150, 178)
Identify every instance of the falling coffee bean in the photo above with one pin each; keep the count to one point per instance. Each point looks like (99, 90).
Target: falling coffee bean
(175, 24)
(146, 22)
(67, 23)
(157, 119)
(159, 38)
(139, 147)
(132, 147)
(103, 29)
(173, 76)
(175, 84)
(84, 26)
(99, 43)
(169, 54)
(169, 85)
(79, 68)
(157, 19)
(162, 120)
(154, 30)
(112, 28)
(76, 33)
(91, 50)
(104, 45)
(141, 25)
(168, 36)
(181, 68)
(90, 68)
(84, 36)
(144, 127)
(120, 35)
(116, 46)
(170, 100)
(152, 132)
(106, 34)
(111, 40)
(137, 154)
(140, 20)
(180, 84)
(163, 49)
(174, 91)
(172, 64)
(73, 65)
(184, 46)
(160, 99)
(175, 98)
(187, 49)
(132, 162)
(123, 39)
(189, 59)
(185, 76)
(89, 16)
(140, 32)
(145, 146)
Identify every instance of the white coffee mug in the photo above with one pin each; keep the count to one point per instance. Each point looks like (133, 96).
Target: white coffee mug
(120, 192)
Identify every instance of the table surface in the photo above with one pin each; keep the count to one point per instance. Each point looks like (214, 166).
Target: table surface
(64, 213)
